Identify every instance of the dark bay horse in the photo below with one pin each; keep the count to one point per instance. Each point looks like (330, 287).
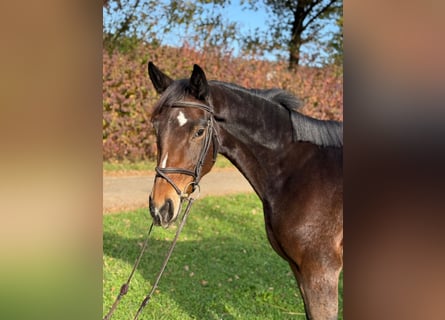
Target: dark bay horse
(293, 162)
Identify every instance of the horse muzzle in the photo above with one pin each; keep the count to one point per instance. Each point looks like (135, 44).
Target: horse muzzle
(163, 215)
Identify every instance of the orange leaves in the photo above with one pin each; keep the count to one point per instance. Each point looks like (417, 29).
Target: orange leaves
(128, 95)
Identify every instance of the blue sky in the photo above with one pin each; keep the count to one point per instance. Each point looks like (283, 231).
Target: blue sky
(247, 19)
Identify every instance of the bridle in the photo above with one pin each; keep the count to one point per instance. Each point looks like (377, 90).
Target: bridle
(210, 137)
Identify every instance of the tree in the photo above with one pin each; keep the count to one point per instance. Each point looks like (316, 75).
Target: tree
(293, 23)
(200, 22)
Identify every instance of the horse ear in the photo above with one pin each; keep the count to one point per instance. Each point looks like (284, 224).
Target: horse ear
(160, 80)
(199, 87)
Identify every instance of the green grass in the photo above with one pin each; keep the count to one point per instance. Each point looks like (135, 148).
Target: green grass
(125, 165)
(222, 267)
(112, 166)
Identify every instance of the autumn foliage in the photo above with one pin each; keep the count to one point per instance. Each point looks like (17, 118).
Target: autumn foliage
(128, 95)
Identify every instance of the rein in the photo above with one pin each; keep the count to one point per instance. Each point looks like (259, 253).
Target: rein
(184, 195)
(125, 286)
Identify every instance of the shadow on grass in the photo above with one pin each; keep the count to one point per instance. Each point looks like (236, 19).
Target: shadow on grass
(212, 279)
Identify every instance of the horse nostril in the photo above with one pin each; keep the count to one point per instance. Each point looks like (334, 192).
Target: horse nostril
(163, 215)
(156, 217)
(167, 210)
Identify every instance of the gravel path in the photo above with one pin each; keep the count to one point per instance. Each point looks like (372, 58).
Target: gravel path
(121, 193)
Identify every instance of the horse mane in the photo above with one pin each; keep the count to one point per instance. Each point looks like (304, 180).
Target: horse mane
(326, 133)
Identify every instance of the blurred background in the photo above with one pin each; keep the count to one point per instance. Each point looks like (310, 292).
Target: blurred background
(292, 45)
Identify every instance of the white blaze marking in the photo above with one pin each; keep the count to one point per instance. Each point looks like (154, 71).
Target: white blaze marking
(164, 161)
(181, 119)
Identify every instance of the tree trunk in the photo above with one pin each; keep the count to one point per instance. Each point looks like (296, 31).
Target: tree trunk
(294, 53)
(296, 33)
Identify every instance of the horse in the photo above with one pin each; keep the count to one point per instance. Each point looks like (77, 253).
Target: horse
(293, 162)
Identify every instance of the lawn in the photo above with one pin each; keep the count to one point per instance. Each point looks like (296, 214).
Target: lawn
(222, 267)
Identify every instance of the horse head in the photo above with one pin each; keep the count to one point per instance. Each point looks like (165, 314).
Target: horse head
(186, 141)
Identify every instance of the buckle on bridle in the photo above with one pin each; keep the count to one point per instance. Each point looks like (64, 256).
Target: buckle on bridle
(196, 191)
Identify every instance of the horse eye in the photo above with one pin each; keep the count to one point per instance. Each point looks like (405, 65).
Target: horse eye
(199, 133)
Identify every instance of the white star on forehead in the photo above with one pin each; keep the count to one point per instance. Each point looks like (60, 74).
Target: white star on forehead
(181, 119)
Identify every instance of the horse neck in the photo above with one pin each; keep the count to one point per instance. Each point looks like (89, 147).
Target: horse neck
(254, 136)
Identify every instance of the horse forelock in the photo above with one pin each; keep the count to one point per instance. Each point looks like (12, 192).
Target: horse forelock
(174, 93)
